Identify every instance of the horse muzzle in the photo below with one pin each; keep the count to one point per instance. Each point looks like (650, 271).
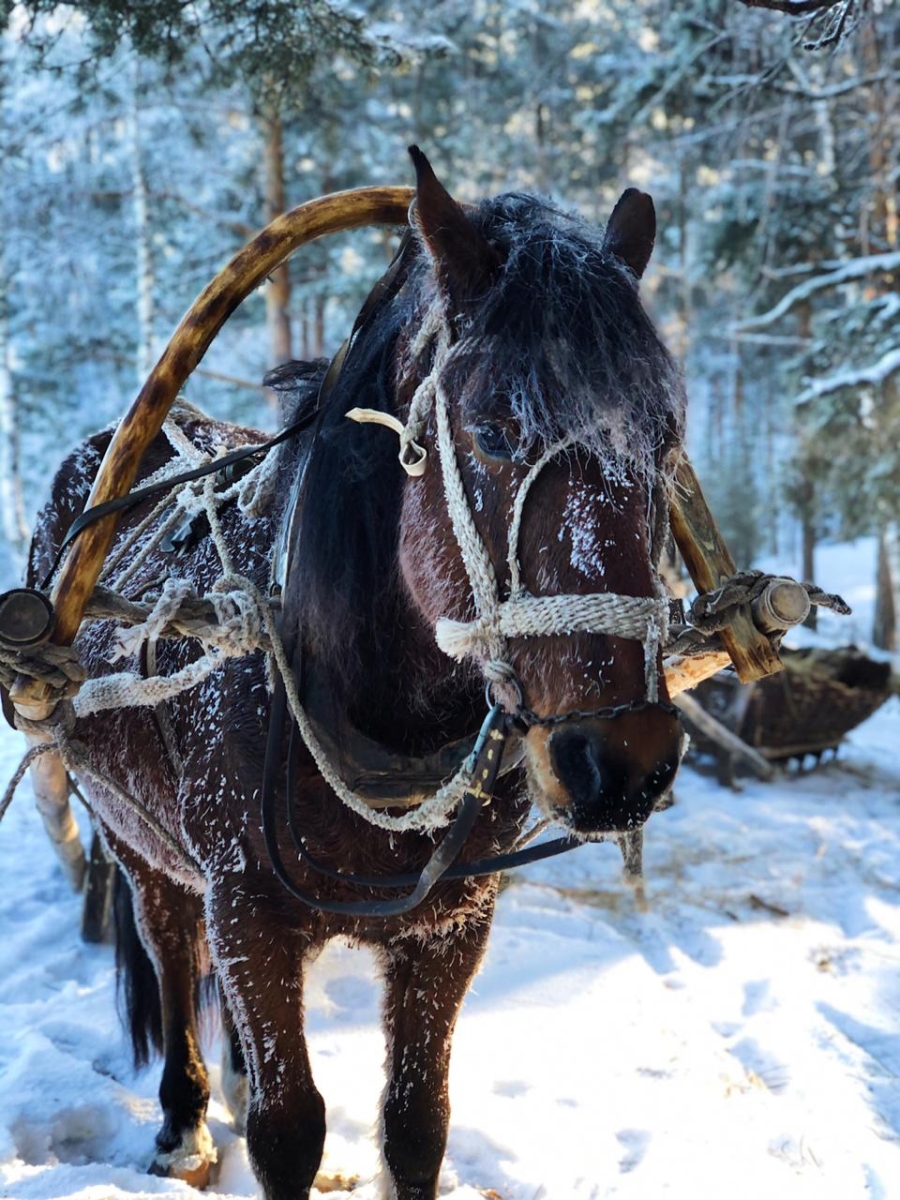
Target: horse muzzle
(605, 775)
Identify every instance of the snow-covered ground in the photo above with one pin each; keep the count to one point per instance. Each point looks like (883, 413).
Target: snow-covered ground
(740, 1038)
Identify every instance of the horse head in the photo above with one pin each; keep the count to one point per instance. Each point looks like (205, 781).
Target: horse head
(549, 411)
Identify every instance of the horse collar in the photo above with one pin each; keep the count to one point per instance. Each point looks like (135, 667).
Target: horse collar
(383, 777)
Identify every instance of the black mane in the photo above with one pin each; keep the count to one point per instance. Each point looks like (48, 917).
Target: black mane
(340, 595)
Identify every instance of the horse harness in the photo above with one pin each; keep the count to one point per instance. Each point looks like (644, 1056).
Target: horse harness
(480, 759)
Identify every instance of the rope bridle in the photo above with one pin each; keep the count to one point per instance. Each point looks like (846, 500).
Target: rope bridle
(521, 614)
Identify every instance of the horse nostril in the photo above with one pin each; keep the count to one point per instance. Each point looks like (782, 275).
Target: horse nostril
(607, 789)
(580, 765)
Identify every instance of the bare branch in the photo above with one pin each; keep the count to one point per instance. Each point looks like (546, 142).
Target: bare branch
(829, 93)
(223, 219)
(232, 380)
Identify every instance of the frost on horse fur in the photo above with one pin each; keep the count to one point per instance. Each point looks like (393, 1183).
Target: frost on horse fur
(539, 341)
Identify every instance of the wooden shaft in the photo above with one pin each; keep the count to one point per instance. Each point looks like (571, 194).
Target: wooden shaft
(682, 674)
(709, 563)
(723, 736)
(118, 471)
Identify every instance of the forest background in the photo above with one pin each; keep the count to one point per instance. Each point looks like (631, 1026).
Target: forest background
(142, 143)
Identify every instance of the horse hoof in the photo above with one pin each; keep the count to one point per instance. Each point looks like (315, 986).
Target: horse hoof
(191, 1161)
(326, 1182)
(196, 1175)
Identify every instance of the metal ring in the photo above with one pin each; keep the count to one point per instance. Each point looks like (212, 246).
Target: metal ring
(513, 680)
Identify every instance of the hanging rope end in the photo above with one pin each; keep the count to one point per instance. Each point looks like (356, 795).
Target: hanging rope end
(413, 457)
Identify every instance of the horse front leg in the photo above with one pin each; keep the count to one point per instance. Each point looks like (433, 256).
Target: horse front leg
(168, 928)
(426, 983)
(259, 959)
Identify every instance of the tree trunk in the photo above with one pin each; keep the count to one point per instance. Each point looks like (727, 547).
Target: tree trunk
(13, 526)
(318, 337)
(12, 505)
(143, 261)
(278, 289)
(884, 633)
(808, 566)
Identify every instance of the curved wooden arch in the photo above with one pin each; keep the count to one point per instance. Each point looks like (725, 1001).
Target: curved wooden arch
(334, 213)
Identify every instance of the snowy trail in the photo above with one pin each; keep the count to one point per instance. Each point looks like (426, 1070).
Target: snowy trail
(708, 1047)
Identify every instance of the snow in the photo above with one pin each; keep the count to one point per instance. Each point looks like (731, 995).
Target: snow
(871, 375)
(738, 1038)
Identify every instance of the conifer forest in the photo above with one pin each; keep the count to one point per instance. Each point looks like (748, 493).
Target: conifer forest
(256, 773)
(142, 144)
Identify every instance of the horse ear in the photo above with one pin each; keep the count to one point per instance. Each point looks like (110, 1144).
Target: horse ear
(631, 230)
(464, 260)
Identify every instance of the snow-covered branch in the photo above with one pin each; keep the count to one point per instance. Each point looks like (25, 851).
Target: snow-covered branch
(871, 376)
(832, 91)
(794, 8)
(855, 268)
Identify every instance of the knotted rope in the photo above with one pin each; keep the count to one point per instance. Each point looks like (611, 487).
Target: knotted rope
(57, 667)
(713, 611)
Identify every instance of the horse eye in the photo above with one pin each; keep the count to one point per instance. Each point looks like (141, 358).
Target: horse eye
(495, 441)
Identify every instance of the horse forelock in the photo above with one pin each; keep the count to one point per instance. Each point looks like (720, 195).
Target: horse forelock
(560, 341)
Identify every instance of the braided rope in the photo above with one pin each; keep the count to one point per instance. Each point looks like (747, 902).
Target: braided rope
(186, 454)
(256, 491)
(431, 813)
(544, 616)
(27, 759)
(147, 549)
(56, 666)
(127, 690)
(476, 560)
(216, 618)
(515, 526)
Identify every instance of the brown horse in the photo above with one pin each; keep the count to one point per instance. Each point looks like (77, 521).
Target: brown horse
(510, 342)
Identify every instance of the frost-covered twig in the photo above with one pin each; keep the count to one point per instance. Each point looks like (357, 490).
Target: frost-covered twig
(854, 268)
(870, 376)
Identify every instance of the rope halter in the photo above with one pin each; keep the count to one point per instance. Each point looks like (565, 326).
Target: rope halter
(521, 614)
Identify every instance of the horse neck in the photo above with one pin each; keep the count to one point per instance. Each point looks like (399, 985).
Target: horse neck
(405, 692)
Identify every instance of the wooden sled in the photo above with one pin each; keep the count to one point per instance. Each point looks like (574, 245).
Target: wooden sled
(808, 709)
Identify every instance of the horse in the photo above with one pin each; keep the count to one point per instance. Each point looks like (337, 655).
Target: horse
(512, 565)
